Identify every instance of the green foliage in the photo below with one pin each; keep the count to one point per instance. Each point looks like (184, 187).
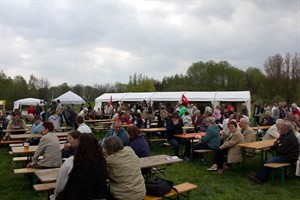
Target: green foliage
(140, 84)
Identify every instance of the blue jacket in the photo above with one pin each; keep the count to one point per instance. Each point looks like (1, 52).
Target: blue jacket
(212, 137)
(123, 135)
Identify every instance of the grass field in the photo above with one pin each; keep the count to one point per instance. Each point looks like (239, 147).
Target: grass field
(232, 185)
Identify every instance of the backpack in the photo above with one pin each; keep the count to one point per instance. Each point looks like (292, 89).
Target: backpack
(156, 186)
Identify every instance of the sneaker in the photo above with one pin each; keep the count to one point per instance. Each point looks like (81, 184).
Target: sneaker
(253, 178)
(211, 169)
(186, 159)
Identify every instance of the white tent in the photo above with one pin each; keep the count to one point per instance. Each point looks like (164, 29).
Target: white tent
(106, 98)
(27, 102)
(213, 97)
(70, 98)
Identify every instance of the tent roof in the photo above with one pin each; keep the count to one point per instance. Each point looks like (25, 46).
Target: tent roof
(106, 97)
(70, 98)
(27, 102)
(200, 96)
(167, 96)
(233, 96)
(140, 96)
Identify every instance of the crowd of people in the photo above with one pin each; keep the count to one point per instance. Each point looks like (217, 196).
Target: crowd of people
(86, 163)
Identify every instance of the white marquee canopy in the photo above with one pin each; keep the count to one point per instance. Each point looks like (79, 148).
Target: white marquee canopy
(70, 98)
(214, 97)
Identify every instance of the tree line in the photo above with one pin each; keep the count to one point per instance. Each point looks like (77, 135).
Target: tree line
(280, 81)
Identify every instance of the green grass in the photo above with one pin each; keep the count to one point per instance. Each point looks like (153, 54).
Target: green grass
(232, 185)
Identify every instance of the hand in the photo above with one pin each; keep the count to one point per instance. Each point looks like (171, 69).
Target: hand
(29, 165)
(198, 136)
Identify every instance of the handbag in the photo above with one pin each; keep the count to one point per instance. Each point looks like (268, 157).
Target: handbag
(156, 186)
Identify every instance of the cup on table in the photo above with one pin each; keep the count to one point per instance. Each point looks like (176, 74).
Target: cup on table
(26, 146)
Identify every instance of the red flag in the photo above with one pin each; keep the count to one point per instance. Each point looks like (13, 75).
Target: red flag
(110, 100)
(184, 100)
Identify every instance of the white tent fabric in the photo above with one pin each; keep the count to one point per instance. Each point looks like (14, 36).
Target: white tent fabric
(70, 98)
(213, 97)
(27, 102)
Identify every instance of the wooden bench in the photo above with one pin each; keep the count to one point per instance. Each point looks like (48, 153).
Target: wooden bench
(25, 170)
(277, 166)
(205, 153)
(10, 142)
(158, 140)
(23, 159)
(44, 187)
(181, 188)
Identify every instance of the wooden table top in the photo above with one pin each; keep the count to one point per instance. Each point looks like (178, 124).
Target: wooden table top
(50, 175)
(16, 130)
(190, 135)
(148, 130)
(153, 161)
(255, 128)
(32, 149)
(47, 175)
(30, 135)
(97, 120)
(258, 145)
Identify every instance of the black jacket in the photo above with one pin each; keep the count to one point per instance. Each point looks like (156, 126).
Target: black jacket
(287, 145)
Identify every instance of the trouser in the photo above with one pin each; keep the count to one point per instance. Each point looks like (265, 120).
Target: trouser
(219, 157)
(175, 142)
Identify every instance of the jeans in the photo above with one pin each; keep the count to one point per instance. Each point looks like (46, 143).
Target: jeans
(264, 173)
(175, 142)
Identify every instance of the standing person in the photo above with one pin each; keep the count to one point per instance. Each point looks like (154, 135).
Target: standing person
(70, 117)
(30, 110)
(256, 114)
(124, 171)
(197, 120)
(83, 176)
(38, 110)
(55, 119)
(175, 127)
(59, 110)
(287, 151)
(217, 114)
(48, 148)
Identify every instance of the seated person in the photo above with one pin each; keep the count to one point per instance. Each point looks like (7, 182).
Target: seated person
(229, 147)
(124, 172)
(175, 127)
(15, 123)
(83, 176)
(82, 127)
(287, 151)
(273, 131)
(211, 140)
(123, 118)
(117, 130)
(163, 120)
(49, 148)
(138, 142)
(36, 129)
(137, 120)
(70, 147)
(267, 120)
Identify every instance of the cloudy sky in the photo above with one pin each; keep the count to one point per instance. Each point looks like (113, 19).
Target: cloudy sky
(98, 42)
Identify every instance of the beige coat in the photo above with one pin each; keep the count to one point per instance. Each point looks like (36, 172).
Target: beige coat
(234, 151)
(249, 134)
(49, 148)
(126, 180)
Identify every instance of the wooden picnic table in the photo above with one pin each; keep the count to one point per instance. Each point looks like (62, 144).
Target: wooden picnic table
(16, 130)
(96, 120)
(32, 149)
(64, 128)
(256, 128)
(259, 146)
(31, 135)
(50, 175)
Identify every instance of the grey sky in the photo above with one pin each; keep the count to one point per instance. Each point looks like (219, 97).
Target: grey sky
(98, 42)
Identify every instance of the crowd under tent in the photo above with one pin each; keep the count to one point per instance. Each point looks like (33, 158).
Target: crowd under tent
(213, 97)
(70, 98)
